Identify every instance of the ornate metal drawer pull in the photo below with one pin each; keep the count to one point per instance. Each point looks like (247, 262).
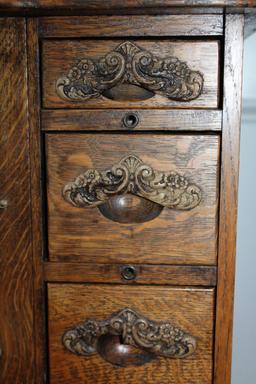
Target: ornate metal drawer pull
(129, 64)
(132, 176)
(130, 329)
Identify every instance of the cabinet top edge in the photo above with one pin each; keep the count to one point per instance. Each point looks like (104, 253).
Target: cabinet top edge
(125, 5)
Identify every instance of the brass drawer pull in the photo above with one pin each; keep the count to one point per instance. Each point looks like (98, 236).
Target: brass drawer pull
(132, 191)
(130, 71)
(127, 338)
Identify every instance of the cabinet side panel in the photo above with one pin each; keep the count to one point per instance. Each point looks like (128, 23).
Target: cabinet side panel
(36, 192)
(16, 293)
(228, 196)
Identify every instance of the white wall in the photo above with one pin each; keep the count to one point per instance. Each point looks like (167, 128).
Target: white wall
(244, 340)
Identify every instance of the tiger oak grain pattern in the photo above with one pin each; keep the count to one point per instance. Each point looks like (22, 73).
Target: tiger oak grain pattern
(138, 25)
(16, 282)
(145, 274)
(189, 309)
(155, 120)
(174, 237)
(229, 196)
(58, 57)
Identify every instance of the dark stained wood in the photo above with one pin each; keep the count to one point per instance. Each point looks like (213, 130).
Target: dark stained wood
(59, 56)
(117, 4)
(36, 192)
(228, 196)
(43, 12)
(189, 309)
(16, 283)
(119, 26)
(145, 274)
(174, 237)
(169, 120)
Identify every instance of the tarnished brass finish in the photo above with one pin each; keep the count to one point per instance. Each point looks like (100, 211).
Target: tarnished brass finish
(152, 190)
(129, 65)
(125, 332)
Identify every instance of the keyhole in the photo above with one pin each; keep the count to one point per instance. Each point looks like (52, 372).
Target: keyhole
(131, 120)
(128, 272)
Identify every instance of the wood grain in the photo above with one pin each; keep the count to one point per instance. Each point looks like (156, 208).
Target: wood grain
(155, 120)
(228, 196)
(88, 248)
(174, 237)
(16, 283)
(58, 57)
(145, 274)
(117, 4)
(137, 25)
(36, 194)
(189, 309)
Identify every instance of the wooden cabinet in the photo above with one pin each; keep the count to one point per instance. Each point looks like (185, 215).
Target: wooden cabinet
(120, 142)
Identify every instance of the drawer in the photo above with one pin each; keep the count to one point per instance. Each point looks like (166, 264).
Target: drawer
(94, 73)
(120, 334)
(138, 198)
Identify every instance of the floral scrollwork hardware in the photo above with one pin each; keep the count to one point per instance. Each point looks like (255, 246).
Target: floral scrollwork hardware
(157, 338)
(132, 176)
(130, 64)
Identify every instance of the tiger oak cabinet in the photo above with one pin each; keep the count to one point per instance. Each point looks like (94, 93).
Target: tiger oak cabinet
(118, 200)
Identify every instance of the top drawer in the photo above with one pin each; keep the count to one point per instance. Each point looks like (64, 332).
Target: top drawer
(130, 73)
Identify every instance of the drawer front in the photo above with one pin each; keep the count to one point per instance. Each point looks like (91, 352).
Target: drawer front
(126, 334)
(130, 74)
(135, 198)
